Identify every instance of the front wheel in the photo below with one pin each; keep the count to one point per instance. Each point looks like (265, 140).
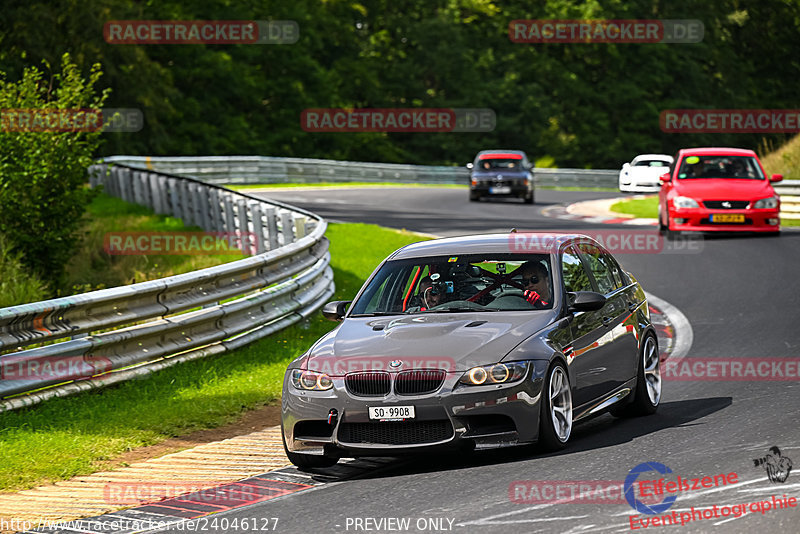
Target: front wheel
(474, 197)
(648, 382)
(555, 420)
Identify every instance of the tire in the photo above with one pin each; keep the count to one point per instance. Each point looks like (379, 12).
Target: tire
(529, 198)
(307, 461)
(555, 430)
(647, 395)
(474, 197)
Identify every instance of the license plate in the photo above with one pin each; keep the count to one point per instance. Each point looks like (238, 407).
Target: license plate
(500, 190)
(727, 218)
(389, 413)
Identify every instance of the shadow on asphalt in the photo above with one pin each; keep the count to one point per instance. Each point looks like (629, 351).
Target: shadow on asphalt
(598, 433)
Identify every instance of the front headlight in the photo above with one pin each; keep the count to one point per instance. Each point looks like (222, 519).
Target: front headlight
(766, 203)
(311, 380)
(498, 373)
(685, 202)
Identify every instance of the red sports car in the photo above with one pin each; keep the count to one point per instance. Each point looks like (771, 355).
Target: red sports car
(718, 189)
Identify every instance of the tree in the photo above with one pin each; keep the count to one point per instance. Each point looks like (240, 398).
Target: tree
(43, 192)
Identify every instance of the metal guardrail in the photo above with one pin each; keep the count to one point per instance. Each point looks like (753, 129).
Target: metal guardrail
(248, 170)
(106, 336)
(789, 191)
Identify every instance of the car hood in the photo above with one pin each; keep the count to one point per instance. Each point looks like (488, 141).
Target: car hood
(724, 189)
(652, 173)
(451, 341)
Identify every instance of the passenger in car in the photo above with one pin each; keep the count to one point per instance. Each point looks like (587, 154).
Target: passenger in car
(535, 281)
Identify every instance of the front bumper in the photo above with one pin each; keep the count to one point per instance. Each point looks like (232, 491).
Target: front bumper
(452, 417)
(510, 188)
(639, 187)
(699, 220)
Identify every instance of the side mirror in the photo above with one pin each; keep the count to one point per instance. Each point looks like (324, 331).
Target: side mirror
(334, 311)
(664, 178)
(626, 166)
(586, 301)
(776, 178)
(469, 166)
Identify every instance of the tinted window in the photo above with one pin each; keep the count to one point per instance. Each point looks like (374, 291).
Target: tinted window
(472, 282)
(603, 268)
(575, 277)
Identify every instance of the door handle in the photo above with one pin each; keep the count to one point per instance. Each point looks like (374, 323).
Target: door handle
(607, 321)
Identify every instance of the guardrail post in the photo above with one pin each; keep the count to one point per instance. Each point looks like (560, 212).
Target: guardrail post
(186, 203)
(258, 227)
(136, 187)
(272, 228)
(197, 205)
(214, 215)
(244, 229)
(299, 227)
(286, 224)
(173, 199)
(144, 178)
(126, 176)
(157, 191)
(229, 222)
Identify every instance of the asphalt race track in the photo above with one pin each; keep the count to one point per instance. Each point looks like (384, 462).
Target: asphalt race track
(740, 295)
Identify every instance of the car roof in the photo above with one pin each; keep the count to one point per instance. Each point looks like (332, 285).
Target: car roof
(716, 151)
(521, 243)
(665, 157)
(501, 151)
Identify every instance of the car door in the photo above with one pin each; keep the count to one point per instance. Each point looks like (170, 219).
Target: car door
(620, 346)
(589, 354)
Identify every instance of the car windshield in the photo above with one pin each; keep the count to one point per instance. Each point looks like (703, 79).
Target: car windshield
(650, 163)
(498, 163)
(444, 284)
(734, 167)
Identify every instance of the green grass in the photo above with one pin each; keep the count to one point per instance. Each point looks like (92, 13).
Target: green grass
(93, 268)
(17, 285)
(64, 437)
(638, 207)
(785, 160)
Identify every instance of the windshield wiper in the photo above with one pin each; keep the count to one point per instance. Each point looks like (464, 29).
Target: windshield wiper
(375, 314)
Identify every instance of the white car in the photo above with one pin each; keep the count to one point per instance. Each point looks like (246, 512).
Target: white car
(641, 175)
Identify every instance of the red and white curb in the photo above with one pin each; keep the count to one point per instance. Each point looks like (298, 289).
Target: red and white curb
(597, 212)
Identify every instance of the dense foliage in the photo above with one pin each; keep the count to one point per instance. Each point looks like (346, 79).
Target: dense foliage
(43, 174)
(586, 105)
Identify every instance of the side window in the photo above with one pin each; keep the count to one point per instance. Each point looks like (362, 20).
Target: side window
(602, 268)
(575, 277)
